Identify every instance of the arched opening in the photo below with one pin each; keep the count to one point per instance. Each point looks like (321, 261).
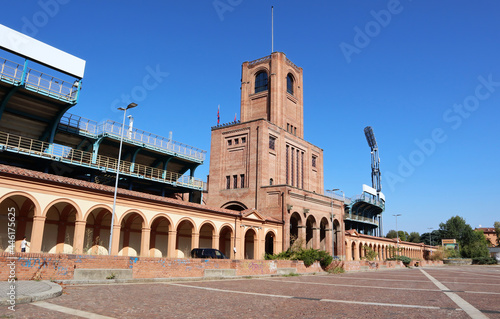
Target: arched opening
(237, 206)
(250, 244)
(269, 243)
(289, 83)
(310, 225)
(59, 230)
(353, 251)
(337, 243)
(225, 241)
(206, 236)
(295, 221)
(184, 238)
(130, 235)
(261, 82)
(323, 245)
(158, 240)
(21, 210)
(97, 228)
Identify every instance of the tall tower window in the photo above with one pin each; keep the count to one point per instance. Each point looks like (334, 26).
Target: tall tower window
(235, 181)
(261, 82)
(289, 83)
(228, 182)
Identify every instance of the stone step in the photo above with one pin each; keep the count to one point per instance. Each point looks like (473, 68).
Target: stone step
(220, 272)
(100, 274)
(286, 271)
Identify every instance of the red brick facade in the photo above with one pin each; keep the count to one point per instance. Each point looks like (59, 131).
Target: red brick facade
(264, 162)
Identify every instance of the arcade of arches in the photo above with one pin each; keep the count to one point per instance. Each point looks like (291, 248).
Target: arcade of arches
(64, 218)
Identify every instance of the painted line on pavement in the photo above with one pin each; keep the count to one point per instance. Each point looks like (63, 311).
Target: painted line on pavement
(317, 299)
(353, 286)
(467, 307)
(474, 274)
(69, 311)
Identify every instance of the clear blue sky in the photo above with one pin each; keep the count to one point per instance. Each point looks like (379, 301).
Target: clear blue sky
(402, 67)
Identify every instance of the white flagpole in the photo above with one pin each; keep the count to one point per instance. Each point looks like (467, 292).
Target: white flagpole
(272, 29)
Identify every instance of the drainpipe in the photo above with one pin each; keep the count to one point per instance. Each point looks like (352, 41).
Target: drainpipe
(257, 169)
(283, 220)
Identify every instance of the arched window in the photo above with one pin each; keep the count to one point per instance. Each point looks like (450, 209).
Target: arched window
(261, 82)
(289, 83)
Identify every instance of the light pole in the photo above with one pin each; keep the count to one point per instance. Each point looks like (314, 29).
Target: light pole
(131, 105)
(430, 234)
(333, 228)
(397, 233)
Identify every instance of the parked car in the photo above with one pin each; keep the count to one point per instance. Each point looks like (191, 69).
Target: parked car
(207, 253)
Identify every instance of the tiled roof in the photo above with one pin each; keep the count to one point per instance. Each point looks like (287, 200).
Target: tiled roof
(22, 172)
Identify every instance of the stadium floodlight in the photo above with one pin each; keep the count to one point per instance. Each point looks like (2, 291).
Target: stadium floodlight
(370, 137)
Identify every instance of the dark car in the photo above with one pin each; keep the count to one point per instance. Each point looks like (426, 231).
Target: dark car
(207, 253)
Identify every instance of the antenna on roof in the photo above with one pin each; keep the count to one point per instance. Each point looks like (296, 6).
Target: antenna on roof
(272, 29)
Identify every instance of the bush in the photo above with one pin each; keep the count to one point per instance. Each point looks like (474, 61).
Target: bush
(437, 255)
(308, 256)
(484, 261)
(406, 260)
(452, 253)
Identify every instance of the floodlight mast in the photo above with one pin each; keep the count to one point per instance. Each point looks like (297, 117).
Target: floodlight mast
(370, 138)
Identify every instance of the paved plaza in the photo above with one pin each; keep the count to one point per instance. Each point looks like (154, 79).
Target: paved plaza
(438, 292)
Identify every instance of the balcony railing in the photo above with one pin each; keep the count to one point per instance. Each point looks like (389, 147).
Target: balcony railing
(88, 127)
(37, 81)
(23, 145)
(361, 218)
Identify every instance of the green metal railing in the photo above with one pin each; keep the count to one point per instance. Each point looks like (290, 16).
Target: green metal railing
(37, 81)
(24, 145)
(92, 128)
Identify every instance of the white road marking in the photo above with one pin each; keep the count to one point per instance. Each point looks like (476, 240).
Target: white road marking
(474, 274)
(315, 299)
(467, 307)
(69, 311)
(352, 286)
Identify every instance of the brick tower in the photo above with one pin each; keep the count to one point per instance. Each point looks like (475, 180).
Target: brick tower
(264, 163)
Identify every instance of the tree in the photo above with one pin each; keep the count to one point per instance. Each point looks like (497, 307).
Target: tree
(471, 243)
(435, 236)
(414, 237)
(391, 234)
(403, 236)
(497, 231)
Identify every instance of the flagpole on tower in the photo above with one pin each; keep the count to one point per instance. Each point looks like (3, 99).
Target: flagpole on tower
(272, 29)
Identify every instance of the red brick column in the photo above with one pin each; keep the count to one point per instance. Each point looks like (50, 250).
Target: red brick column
(115, 241)
(172, 238)
(79, 236)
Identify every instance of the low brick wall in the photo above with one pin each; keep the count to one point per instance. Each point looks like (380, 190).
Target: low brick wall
(29, 266)
(365, 265)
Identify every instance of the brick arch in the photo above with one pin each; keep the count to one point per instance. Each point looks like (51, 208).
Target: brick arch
(250, 241)
(37, 209)
(270, 242)
(226, 237)
(98, 206)
(160, 215)
(159, 237)
(78, 210)
(96, 236)
(207, 240)
(132, 211)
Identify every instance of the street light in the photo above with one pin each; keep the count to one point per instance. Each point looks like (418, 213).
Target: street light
(131, 105)
(333, 235)
(397, 233)
(430, 234)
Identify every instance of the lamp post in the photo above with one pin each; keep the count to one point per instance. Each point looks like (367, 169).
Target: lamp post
(333, 229)
(131, 105)
(397, 233)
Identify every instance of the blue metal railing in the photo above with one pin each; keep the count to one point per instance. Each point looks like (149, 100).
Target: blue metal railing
(39, 82)
(93, 128)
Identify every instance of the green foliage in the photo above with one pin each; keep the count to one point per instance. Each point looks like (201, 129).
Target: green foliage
(112, 276)
(497, 231)
(477, 246)
(370, 254)
(406, 260)
(435, 236)
(451, 253)
(414, 237)
(336, 270)
(472, 243)
(403, 235)
(308, 256)
(484, 261)
(391, 234)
